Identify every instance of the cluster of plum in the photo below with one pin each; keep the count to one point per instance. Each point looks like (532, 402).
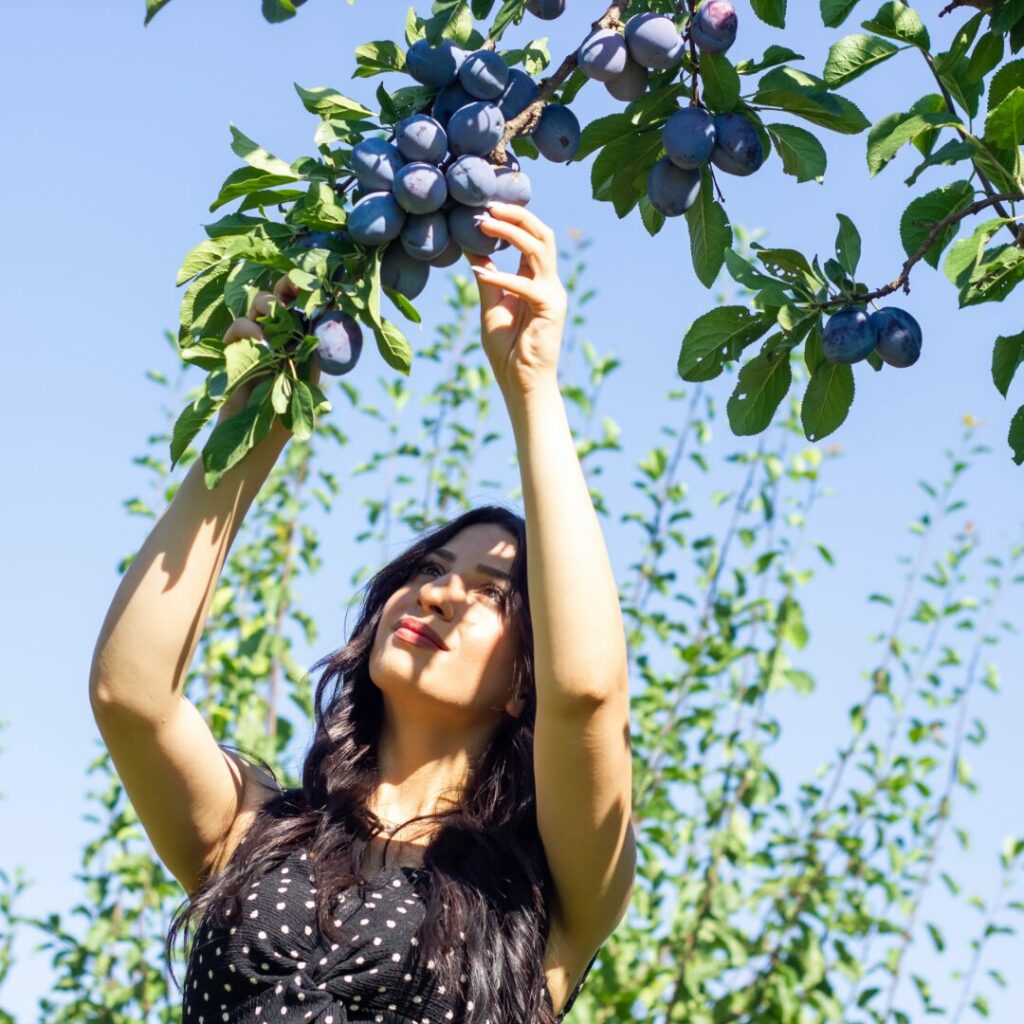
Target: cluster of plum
(851, 335)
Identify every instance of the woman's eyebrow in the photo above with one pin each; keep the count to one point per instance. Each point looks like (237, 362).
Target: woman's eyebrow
(488, 570)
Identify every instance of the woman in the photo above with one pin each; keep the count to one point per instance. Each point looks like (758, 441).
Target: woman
(469, 668)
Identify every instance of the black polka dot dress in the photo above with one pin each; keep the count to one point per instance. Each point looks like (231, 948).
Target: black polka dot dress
(275, 967)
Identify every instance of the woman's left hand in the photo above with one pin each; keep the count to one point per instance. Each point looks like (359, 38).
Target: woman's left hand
(522, 315)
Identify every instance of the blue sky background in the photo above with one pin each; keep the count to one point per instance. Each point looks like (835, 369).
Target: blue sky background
(116, 141)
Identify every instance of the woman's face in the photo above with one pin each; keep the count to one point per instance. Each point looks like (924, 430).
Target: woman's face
(460, 591)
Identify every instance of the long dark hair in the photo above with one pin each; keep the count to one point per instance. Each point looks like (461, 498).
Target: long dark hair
(484, 873)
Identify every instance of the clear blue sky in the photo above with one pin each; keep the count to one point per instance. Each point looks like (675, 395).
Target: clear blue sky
(115, 142)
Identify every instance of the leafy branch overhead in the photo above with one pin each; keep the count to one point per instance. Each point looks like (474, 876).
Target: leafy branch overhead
(370, 213)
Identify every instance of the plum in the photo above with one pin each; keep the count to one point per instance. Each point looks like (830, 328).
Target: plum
(849, 336)
(654, 41)
(602, 55)
(375, 162)
(557, 135)
(689, 137)
(316, 239)
(341, 342)
(451, 255)
(631, 84)
(476, 128)
(713, 28)
(520, 92)
(375, 219)
(471, 180)
(448, 100)
(400, 272)
(546, 10)
(899, 336)
(425, 236)
(435, 66)
(420, 188)
(420, 137)
(484, 74)
(512, 186)
(738, 148)
(463, 224)
(671, 189)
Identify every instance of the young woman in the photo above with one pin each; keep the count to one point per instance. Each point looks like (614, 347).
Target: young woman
(461, 844)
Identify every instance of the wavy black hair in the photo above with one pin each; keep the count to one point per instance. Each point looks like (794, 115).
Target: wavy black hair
(484, 872)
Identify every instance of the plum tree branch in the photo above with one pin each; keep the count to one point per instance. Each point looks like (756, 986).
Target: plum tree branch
(903, 281)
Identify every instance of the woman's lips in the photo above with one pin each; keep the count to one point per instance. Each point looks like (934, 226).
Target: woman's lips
(406, 633)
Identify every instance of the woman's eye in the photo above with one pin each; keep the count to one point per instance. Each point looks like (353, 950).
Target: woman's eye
(496, 592)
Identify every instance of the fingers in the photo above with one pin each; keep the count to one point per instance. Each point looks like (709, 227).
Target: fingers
(286, 290)
(493, 282)
(524, 219)
(534, 251)
(243, 327)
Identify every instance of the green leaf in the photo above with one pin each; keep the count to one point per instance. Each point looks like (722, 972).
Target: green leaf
(965, 254)
(602, 131)
(1016, 436)
(394, 347)
(276, 11)
(378, 57)
(652, 220)
(800, 95)
(256, 156)
(330, 103)
(1007, 355)
(205, 255)
(893, 132)
(710, 232)
(1004, 81)
(228, 444)
(452, 20)
(773, 56)
(247, 181)
(718, 337)
(926, 211)
(791, 266)
(827, 400)
(762, 385)
(771, 12)
(153, 7)
(834, 12)
(949, 153)
(853, 55)
(721, 82)
(802, 154)
(848, 244)
(898, 21)
(1004, 125)
(986, 56)
(190, 421)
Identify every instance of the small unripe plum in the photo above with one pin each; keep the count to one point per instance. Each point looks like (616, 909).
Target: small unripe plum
(557, 135)
(689, 137)
(448, 100)
(738, 148)
(341, 342)
(512, 186)
(375, 219)
(603, 55)
(899, 336)
(654, 41)
(420, 137)
(451, 255)
(401, 273)
(375, 162)
(631, 84)
(520, 92)
(463, 223)
(849, 336)
(484, 74)
(435, 66)
(420, 188)
(425, 236)
(475, 129)
(471, 181)
(546, 10)
(713, 28)
(671, 189)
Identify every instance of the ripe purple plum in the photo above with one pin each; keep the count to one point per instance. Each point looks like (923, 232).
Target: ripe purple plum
(603, 55)
(425, 236)
(512, 186)
(420, 137)
(849, 336)
(713, 28)
(435, 66)
(520, 92)
(484, 74)
(451, 255)
(631, 84)
(546, 10)
(557, 135)
(471, 181)
(654, 41)
(375, 162)
(672, 190)
(738, 148)
(420, 188)
(448, 100)
(341, 342)
(375, 219)
(899, 336)
(475, 129)
(400, 272)
(689, 137)
(463, 223)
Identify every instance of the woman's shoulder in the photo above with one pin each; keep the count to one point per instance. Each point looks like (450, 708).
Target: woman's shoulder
(258, 787)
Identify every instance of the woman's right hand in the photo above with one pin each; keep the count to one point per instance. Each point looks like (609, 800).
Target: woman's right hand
(285, 293)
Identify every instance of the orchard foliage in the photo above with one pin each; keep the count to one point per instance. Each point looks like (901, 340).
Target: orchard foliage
(796, 897)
